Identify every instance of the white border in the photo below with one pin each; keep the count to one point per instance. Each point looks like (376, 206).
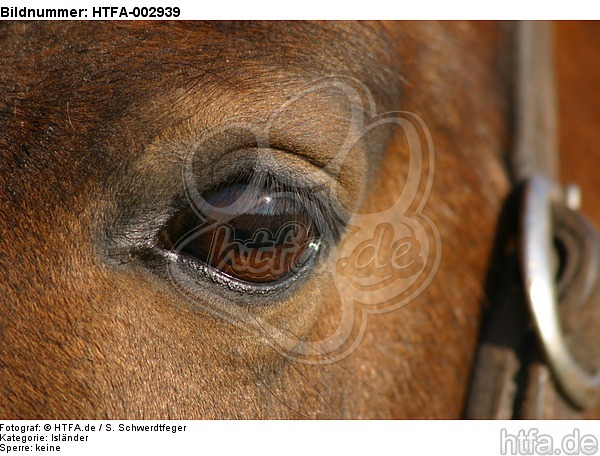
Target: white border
(304, 438)
(366, 9)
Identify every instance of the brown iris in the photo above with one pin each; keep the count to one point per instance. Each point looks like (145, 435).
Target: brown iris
(246, 232)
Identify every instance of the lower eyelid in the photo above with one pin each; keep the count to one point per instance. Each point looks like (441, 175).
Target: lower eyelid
(198, 277)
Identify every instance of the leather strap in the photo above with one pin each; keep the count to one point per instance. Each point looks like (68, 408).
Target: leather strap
(536, 145)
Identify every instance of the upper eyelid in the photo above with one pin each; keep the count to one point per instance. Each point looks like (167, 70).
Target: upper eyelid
(156, 181)
(134, 228)
(288, 170)
(216, 138)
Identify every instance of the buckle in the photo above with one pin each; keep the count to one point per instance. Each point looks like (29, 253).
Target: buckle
(537, 258)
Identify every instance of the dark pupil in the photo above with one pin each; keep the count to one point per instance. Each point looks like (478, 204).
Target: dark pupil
(252, 234)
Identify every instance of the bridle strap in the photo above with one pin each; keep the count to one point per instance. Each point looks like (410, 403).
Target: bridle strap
(536, 145)
(536, 356)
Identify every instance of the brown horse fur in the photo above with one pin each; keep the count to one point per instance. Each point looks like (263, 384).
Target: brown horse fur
(91, 119)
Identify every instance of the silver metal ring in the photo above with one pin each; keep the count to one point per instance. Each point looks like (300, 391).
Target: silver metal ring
(580, 386)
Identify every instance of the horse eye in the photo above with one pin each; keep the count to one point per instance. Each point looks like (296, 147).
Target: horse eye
(252, 234)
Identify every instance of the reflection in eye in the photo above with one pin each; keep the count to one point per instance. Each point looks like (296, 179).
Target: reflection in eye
(254, 234)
